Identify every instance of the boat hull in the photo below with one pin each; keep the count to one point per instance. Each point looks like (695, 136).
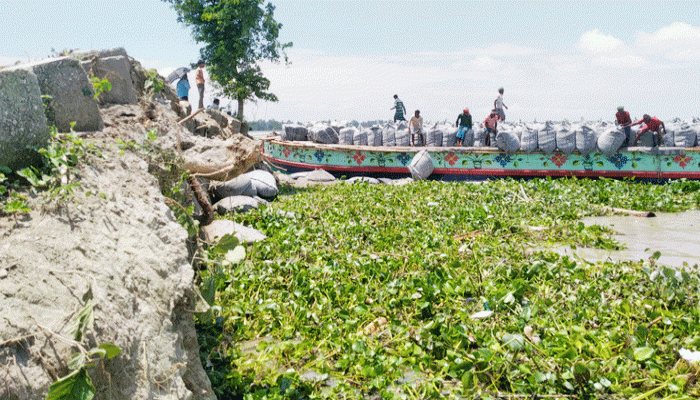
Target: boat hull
(464, 163)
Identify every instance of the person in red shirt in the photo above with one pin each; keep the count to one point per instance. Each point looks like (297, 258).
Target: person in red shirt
(491, 124)
(652, 124)
(624, 121)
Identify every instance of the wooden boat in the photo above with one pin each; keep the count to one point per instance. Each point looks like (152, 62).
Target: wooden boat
(467, 163)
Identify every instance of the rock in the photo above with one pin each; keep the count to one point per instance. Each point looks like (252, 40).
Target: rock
(117, 70)
(203, 124)
(22, 120)
(216, 230)
(129, 249)
(320, 175)
(235, 204)
(386, 181)
(219, 118)
(3, 273)
(115, 52)
(263, 182)
(222, 160)
(72, 95)
(366, 179)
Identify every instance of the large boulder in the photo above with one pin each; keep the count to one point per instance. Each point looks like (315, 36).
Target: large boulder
(117, 70)
(235, 204)
(72, 98)
(22, 121)
(221, 160)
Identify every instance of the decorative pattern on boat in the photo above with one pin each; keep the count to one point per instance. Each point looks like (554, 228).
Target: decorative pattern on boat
(460, 160)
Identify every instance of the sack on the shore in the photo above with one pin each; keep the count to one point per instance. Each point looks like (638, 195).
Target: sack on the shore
(294, 133)
(686, 136)
(449, 136)
(421, 165)
(263, 182)
(610, 141)
(238, 186)
(585, 139)
(374, 136)
(323, 134)
(566, 139)
(360, 137)
(528, 140)
(346, 135)
(507, 141)
(389, 135)
(546, 138)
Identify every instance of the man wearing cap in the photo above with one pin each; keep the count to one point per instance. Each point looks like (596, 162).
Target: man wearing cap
(464, 122)
(400, 109)
(624, 121)
(498, 105)
(652, 124)
(416, 123)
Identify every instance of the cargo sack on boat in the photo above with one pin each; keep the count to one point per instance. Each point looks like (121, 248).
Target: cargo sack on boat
(294, 133)
(480, 137)
(546, 138)
(610, 141)
(263, 182)
(346, 135)
(585, 140)
(374, 136)
(421, 165)
(389, 135)
(433, 138)
(402, 136)
(686, 136)
(468, 139)
(646, 140)
(323, 134)
(528, 140)
(449, 136)
(507, 141)
(566, 139)
(360, 137)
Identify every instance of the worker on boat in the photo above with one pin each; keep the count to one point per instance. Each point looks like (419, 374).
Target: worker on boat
(652, 124)
(464, 122)
(416, 123)
(624, 121)
(491, 124)
(400, 109)
(498, 105)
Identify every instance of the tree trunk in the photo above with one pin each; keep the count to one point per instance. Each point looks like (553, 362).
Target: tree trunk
(240, 109)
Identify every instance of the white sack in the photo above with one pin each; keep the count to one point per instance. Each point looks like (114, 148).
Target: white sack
(421, 165)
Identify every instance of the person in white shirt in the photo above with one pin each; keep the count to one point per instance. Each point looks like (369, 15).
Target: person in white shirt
(416, 123)
(499, 106)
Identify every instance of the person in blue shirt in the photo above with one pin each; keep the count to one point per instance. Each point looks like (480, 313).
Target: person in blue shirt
(183, 88)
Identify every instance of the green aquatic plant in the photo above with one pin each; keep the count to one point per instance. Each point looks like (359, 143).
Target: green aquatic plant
(433, 289)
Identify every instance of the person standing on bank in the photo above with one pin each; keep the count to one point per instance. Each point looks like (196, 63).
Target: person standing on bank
(183, 88)
(400, 109)
(652, 124)
(416, 123)
(499, 106)
(199, 77)
(624, 121)
(464, 122)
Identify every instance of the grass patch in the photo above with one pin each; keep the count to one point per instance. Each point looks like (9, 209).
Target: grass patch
(371, 291)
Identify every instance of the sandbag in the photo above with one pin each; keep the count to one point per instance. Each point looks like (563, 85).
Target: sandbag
(610, 141)
(346, 135)
(421, 165)
(468, 139)
(566, 139)
(480, 137)
(323, 134)
(360, 137)
(238, 186)
(263, 182)
(374, 136)
(294, 133)
(507, 141)
(685, 136)
(585, 139)
(433, 137)
(389, 135)
(449, 136)
(528, 140)
(402, 136)
(546, 138)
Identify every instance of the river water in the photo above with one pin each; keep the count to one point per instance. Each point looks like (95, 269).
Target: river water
(675, 235)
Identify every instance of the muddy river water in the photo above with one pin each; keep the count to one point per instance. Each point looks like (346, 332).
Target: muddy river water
(675, 235)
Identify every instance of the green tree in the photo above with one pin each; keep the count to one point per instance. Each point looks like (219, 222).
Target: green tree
(237, 35)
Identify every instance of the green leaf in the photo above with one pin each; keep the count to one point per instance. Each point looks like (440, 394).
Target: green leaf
(227, 243)
(643, 353)
(656, 255)
(76, 361)
(111, 350)
(75, 386)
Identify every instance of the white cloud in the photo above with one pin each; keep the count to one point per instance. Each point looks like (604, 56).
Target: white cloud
(484, 64)
(594, 42)
(677, 42)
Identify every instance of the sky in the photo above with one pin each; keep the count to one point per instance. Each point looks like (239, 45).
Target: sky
(555, 60)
